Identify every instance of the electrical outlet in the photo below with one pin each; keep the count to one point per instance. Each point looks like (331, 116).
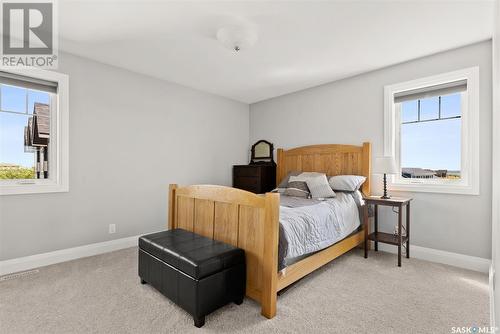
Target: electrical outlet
(112, 228)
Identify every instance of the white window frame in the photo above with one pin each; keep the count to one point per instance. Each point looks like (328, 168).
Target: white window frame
(469, 182)
(58, 180)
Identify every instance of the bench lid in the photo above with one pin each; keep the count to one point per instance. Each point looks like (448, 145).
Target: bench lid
(191, 253)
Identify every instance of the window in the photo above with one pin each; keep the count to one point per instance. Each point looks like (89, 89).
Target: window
(432, 131)
(33, 132)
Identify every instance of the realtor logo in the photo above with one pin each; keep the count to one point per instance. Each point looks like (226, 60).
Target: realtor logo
(28, 34)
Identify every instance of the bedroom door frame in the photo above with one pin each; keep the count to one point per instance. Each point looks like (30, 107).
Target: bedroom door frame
(495, 205)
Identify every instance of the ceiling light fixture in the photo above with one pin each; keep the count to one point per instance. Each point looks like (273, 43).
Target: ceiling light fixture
(237, 37)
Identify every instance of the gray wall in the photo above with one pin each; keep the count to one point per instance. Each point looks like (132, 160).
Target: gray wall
(130, 136)
(350, 111)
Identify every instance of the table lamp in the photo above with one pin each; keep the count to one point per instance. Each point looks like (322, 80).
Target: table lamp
(385, 165)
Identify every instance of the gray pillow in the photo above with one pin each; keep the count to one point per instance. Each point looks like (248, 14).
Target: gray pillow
(284, 182)
(346, 182)
(319, 187)
(297, 189)
(304, 176)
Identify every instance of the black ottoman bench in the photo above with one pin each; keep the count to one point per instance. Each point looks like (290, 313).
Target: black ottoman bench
(197, 273)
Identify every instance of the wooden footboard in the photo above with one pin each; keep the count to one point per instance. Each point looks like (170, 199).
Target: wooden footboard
(240, 218)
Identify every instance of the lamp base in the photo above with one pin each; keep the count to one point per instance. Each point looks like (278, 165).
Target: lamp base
(385, 195)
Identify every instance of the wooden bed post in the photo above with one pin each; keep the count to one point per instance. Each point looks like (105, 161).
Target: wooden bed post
(270, 256)
(171, 205)
(280, 164)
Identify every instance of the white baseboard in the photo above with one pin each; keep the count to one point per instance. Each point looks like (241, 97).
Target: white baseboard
(439, 256)
(45, 259)
(63, 255)
(492, 296)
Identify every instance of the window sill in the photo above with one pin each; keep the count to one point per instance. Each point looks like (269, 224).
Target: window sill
(20, 189)
(435, 188)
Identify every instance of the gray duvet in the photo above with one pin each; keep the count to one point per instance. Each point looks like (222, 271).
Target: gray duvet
(307, 226)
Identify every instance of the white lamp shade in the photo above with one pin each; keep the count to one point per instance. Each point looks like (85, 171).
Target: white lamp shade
(385, 165)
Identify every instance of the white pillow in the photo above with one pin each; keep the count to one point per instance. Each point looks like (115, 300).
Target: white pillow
(346, 182)
(319, 187)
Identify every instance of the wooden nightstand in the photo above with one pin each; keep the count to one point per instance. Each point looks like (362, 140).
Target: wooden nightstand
(388, 238)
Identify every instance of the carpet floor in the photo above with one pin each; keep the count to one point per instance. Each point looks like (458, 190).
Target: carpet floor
(102, 294)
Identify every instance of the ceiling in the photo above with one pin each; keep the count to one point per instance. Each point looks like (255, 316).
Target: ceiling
(301, 44)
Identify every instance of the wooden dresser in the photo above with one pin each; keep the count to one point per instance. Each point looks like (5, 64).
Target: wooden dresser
(257, 178)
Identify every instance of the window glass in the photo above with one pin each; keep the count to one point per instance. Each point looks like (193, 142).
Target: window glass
(36, 96)
(409, 111)
(429, 108)
(431, 148)
(24, 137)
(13, 98)
(15, 162)
(450, 105)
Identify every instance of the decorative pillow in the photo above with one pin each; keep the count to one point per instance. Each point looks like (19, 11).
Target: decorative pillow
(319, 187)
(346, 182)
(304, 176)
(284, 182)
(297, 189)
(296, 178)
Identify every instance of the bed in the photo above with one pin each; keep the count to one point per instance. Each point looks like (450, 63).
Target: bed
(310, 225)
(252, 222)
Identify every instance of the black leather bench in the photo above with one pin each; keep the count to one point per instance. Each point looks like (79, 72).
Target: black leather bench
(197, 273)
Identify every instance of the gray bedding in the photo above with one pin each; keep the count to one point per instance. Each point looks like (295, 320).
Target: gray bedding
(307, 225)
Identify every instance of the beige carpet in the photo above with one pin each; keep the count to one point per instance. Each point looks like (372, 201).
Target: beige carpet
(102, 294)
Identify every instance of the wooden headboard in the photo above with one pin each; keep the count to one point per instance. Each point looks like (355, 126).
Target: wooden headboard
(331, 159)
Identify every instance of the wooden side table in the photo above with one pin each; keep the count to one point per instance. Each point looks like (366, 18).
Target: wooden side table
(388, 238)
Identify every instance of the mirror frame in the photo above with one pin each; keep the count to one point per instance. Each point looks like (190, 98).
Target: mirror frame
(270, 158)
